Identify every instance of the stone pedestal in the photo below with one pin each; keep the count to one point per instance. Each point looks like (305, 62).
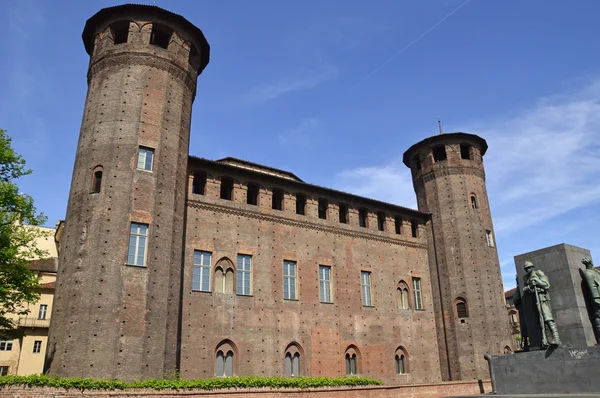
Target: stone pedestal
(562, 264)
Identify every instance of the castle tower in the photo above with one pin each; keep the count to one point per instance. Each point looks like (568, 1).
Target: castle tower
(449, 180)
(117, 304)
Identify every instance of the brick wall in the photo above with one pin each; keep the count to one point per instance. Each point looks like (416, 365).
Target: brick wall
(448, 389)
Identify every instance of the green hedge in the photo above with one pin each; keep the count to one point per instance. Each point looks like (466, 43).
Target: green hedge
(201, 384)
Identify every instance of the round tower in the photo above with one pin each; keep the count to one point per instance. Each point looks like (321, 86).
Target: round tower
(471, 319)
(117, 302)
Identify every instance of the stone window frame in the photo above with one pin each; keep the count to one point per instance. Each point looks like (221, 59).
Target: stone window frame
(323, 297)
(292, 280)
(223, 350)
(97, 173)
(403, 295)
(401, 360)
(366, 289)
(461, 308)
(352, 360)
(145, 165)
(224, 276)
(294, 360)
(243, 273)
(138, 236)
(417, 294)
(201, 270)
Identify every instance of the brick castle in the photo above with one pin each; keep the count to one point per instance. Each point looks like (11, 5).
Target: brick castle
(172, 262)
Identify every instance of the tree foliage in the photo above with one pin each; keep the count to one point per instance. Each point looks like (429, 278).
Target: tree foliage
(18, 284)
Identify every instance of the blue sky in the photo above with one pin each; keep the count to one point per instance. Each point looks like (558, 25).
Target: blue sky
(336, 91)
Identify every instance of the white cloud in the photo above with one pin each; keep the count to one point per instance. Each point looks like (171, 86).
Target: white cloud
(281, 87)
(299, 136)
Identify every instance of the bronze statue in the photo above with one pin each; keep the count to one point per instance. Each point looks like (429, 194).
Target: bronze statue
(591, 277)
(536, 283)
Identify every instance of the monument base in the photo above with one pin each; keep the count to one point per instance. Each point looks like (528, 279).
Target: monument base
(556, 370)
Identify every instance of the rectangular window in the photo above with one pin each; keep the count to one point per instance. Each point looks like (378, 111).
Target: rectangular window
(381, 221)
(362, 218)
(6, 345)
(138, 234)
(252, 194)
(226, 188)
(439, 153)
(43, 310)
(398, 224)
(343, 213)
(323, 204)
(199, 183)
(37, 346)
(365, 287)
(489, 238)
(465, 151)
(414, 227)
(277, 199)
(3, 370)
(300, 204)
(145, 158)
(417, 293)
(201, 271)
(289, 280)
(244, 274)
(325, 284)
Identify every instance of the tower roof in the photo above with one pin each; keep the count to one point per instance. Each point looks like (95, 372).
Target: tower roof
(108, 15)
(444, 138)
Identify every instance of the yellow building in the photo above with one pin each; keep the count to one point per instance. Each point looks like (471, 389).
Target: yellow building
(25, 356)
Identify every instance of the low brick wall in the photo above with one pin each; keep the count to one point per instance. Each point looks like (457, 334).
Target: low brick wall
(448, 389)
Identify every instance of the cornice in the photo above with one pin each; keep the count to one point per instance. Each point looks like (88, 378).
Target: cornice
(301, 224)
(450, 170)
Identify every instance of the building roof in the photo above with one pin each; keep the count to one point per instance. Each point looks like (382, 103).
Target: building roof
(305, 185)
(44, 265)
(258, 167)
(437, 139)
(509, 293)
(48, 286)
(150, 12)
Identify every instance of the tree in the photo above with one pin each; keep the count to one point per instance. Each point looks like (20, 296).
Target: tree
(18, 284)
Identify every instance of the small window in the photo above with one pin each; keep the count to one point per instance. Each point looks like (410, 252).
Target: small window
(414, 227)
(325, 284)
(277, 202)
(223, 282)
(145, 158)
(473, 201)
(300, 204)
(439, 153)
(3, 370)
(292, 364)
(226, 188)
(289, 280)
(401, 361)
(343, 212)
(199, 183)
(160, 36)
(201, 271)
(417, 162)
(37, 346)
(224, 364)
(352, 366)
(43, 311)
(363, 214)
(97, 180)
(381, 221)
(252, 194)
(323, 204)
(244, 275)
(418, 299)
(120, 32)
(402, 298)
(489, 238)
(6, 345)
(465, 151)
(398, 224)
(365, 287)
(138, 234)
(461, 309)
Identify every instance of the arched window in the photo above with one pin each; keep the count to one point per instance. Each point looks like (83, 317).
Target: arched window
(473, 201)
(224, 358)
(97, 179)
(507, 350)
(224, 273)
(461, 308)
(293, 355)
(402, 296)
(352, 357)
(401, 359)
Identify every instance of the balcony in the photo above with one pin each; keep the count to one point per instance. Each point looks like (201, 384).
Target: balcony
(32, 322)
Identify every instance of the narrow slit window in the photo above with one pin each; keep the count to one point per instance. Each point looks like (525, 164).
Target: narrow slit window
(277, 203)
(473, 201)
(97, 180)
(398, 224)
(325, 284)
(365, 285)
(381, 221)
(160, 36)
(418, 298)
(323, 204)
(362, 217)
(300, 204)
(43, 311)
(252, 194)
(343, 213)
(465, 151)
(226, 188)
(489, 238)
(461, 310)
(199, 184)
(138, 235)
(439, 153)
(289, 280)
(414, 227)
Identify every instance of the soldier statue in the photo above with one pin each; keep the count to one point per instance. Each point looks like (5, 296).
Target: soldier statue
(591, 277)
(537, 284)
